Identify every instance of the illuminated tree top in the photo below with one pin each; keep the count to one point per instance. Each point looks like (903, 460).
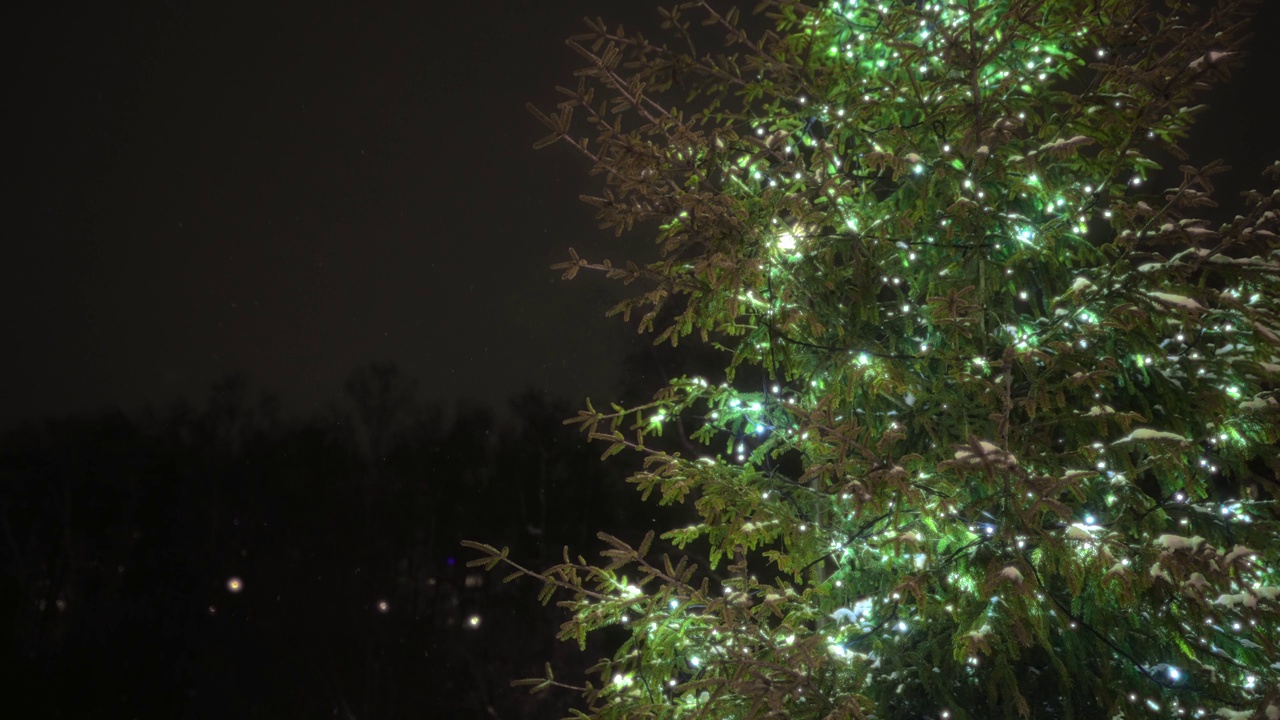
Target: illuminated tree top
(996, 435)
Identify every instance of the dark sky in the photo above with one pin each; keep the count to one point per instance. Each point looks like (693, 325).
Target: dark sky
(295, 189)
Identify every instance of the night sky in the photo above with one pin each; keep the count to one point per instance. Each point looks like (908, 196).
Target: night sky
(296, 189)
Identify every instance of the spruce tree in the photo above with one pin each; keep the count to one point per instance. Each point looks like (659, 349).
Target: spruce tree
(996, 431)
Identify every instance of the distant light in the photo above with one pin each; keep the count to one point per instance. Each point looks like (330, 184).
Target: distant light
(234, 584)
(474, 621)
(383, 606)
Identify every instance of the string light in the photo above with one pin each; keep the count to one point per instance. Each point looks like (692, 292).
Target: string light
(1060, 388)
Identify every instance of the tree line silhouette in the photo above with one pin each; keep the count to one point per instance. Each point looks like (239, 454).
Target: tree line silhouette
(217, 560)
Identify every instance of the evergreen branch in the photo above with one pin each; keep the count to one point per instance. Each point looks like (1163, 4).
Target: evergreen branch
(846, 350)
(857, 535)
(1142, 669)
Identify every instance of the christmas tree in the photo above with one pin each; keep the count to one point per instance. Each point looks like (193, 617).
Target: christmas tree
(996, 431)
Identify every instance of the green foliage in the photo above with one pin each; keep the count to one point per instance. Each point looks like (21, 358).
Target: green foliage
(996, 433)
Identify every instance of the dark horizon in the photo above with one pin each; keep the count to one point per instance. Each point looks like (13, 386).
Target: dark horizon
(207, 560)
